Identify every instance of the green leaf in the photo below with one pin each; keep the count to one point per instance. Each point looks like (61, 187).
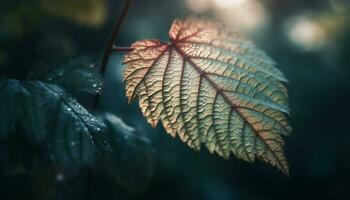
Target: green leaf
(5, 116)
(8, 109)
(212, 87)
(51, 118)
(131, 160)
(77, 75)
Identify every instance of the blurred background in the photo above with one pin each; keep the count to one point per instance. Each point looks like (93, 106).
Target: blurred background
(310, 40)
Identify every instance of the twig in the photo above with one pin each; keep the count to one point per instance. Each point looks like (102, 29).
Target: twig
(109, 48)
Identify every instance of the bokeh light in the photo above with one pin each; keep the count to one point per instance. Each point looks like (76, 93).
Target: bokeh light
(313, 31)
(199, 6)
(305, 33)
(247, 16)
(228, 3)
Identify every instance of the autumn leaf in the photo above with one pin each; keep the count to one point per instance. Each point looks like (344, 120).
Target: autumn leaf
(212, 86)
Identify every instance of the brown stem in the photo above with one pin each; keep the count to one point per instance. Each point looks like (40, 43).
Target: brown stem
(109, 48)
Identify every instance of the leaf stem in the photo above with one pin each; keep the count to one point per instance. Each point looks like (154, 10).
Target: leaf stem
(110, 44)
(116, 28)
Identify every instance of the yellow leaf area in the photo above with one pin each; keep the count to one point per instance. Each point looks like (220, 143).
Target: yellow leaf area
(86, 12)
(212, 86)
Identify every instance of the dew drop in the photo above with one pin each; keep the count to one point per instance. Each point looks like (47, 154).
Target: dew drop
(59, 177)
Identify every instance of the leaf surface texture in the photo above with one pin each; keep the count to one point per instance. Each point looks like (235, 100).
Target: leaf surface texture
(51, 118)
(210, 85)
(75, 75)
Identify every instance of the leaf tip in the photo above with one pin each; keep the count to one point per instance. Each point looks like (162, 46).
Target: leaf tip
(284, 169)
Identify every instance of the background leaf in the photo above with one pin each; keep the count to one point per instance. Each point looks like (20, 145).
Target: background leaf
(211, 85)
(131, 160)
(77, 75)
(51, 118)
(58, 127)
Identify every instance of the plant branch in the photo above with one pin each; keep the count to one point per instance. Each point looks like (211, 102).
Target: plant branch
(110, 44)
(116, 28)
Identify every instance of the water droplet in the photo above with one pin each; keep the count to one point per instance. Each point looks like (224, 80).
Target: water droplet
(60, 74)
(94, 85)
(69, 109)
(59, 177)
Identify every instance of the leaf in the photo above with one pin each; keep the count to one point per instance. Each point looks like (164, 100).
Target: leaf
(76, 75)
(5, 116)
(212, 86)
(131, 160)
(51, 118)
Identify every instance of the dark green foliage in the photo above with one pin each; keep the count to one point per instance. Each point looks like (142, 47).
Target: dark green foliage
(5, 114)
(131, 161)
(41, 116)
(77, 75)
(48, 116)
